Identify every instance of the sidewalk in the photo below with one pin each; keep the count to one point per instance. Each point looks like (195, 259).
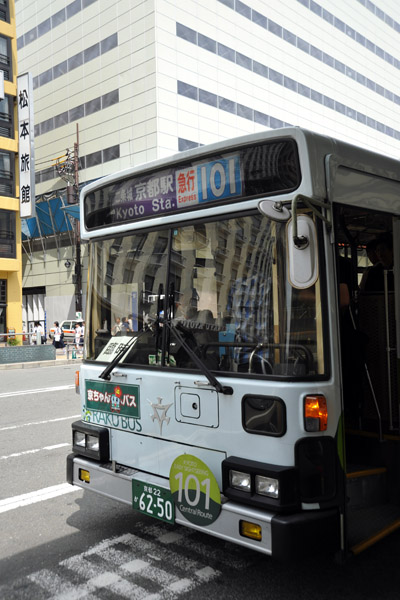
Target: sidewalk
(61, 359)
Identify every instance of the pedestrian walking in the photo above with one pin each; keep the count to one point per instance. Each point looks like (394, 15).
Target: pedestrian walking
(38, 337)
(78, 338)
(58, 341)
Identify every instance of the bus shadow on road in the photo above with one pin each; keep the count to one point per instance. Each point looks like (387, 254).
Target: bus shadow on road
(112, 549)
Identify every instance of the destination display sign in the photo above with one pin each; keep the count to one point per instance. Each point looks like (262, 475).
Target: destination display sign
(219, 179)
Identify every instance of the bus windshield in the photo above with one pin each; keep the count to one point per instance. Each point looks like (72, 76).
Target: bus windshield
(219, 287)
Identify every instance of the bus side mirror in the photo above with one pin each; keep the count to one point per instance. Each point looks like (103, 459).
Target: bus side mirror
(301, 236)
(274, 209)
(302, 253)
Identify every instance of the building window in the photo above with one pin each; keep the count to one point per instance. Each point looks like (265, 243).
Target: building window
(7, 234)
(7, 173)
(110, 153)
(93, 159)
(92, 106)
(186, 144)
(3, 291)
(4, 11)
(76, 113)
(7, 117)
(7, 160)
(5, 57)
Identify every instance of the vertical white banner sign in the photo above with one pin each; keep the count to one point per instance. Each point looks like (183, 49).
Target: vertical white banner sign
(26, 153)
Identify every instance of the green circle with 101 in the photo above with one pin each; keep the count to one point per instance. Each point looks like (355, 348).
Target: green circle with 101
(195, 490)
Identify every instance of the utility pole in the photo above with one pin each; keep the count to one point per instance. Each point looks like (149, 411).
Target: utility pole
(78, 266)
(68, 169)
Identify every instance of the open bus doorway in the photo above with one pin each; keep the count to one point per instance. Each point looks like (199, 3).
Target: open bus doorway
(370, 372)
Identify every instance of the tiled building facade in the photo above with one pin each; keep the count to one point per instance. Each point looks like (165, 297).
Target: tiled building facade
(147, 78)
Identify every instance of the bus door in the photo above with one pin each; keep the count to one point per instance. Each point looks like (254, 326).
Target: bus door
(367, 260)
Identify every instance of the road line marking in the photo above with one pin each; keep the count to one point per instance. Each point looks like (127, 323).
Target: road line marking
(170, 538)
(206, 574)
(37, 391)
(180, 586)
(39, 422)
(118, 567)
(134, 566)
(52, 583)
(17, 454)
(37, 496)
(104, 580)
(232, 559)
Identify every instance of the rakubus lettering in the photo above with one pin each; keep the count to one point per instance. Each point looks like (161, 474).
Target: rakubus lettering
(115, 421)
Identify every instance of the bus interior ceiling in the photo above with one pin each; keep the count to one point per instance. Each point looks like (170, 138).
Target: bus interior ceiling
(370, 381)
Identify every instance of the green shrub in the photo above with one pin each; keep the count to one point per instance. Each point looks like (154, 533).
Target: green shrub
(13, 342)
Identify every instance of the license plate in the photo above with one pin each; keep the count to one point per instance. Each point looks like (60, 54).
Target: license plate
(153, 500)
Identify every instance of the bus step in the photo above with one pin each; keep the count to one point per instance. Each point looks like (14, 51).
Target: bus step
(365, 486)
(367, 526)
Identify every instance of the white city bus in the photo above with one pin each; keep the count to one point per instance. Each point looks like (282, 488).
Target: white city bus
(239, 378)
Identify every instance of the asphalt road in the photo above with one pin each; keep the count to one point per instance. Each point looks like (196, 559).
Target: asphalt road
(59, 542)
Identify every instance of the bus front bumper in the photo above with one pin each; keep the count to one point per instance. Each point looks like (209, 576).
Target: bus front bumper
(282, 536)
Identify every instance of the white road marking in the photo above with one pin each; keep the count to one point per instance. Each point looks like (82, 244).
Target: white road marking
(53, 584)
(131, 567)
(206, 573)
(123, 566)
(37, 496)
(17, 454)
(37, 391)
(231, 559)
(39, 422)
(134, 566)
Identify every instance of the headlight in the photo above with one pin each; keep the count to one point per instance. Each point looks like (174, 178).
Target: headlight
(79, 439)
(267, 486)
(264, 485)
(91, 441)
(240, 481)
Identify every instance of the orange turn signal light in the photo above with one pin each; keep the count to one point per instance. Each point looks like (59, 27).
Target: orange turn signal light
(251, 530)
(84, 475)
(315, 413)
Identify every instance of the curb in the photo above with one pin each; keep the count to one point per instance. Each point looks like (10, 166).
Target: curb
(41, 363)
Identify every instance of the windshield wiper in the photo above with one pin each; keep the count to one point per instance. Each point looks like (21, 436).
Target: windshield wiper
(222, 389)
(106, 374)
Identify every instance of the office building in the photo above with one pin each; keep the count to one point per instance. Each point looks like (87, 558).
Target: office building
(148, 78)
